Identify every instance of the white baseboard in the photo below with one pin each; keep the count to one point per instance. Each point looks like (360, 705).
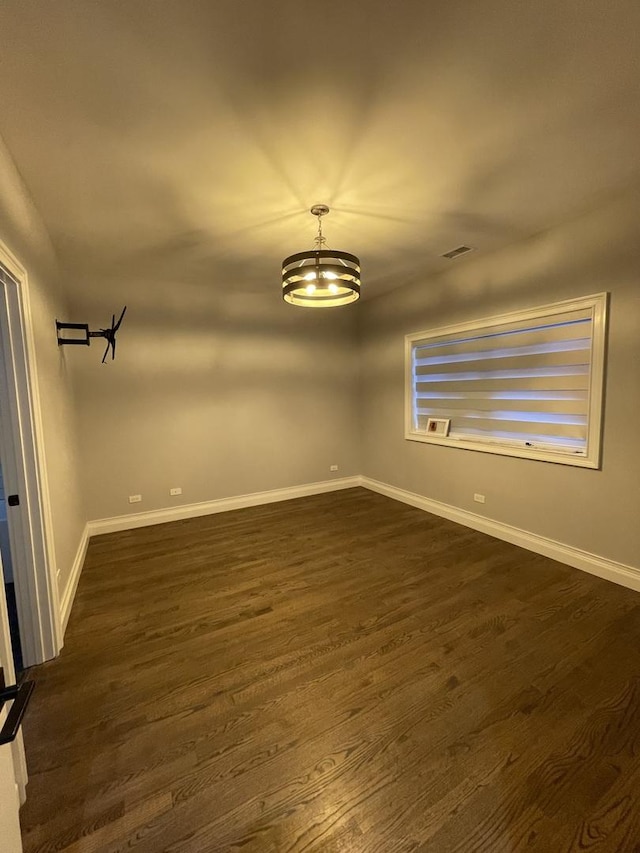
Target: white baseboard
(160, 516)
(601, 566)
(72, 581)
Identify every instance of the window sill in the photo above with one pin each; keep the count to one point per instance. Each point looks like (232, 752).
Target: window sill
(576, 458)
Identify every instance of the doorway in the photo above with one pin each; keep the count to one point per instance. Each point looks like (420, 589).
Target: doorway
(30, 582)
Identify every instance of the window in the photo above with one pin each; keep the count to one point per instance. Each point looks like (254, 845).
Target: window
(526, 384)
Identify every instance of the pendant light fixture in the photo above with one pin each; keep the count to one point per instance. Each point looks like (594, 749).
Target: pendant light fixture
(321, 277)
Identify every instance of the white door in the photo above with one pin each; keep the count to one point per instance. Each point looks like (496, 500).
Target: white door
(11, 755)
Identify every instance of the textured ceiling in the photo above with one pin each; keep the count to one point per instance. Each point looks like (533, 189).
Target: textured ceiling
(186, 138)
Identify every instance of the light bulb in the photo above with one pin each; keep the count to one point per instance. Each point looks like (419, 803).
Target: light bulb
(333, 288)
(310, 288)
(329, 275)
(310, 276)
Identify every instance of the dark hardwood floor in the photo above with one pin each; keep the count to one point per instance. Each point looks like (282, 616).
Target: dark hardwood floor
(336, 673)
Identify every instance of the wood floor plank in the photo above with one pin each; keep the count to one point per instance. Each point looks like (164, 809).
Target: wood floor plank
(336, 673)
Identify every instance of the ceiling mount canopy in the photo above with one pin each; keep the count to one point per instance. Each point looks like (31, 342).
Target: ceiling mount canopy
(321, 277)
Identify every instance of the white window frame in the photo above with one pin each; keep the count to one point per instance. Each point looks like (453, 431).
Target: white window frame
(598, 304)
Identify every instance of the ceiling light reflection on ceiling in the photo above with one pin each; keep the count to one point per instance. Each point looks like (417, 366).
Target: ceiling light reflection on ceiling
(336, 274)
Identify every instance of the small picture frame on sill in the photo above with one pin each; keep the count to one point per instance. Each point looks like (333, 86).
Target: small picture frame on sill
(438, 426)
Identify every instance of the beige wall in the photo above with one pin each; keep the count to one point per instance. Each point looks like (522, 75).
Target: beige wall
(22, 232)
(598, 511)
(221, 394)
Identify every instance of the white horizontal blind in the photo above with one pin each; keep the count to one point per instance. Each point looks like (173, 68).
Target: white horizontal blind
(521, 382)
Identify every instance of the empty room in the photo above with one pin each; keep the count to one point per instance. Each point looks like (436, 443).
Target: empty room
(319, 418)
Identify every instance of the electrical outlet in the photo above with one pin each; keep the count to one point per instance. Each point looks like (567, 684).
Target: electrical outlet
(333, 467)
(135, 499)
(176, 491)
(478, 498)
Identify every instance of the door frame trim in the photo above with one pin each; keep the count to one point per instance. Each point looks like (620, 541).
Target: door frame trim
(25, 470)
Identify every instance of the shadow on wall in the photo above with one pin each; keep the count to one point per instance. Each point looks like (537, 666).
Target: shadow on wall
(223, 341)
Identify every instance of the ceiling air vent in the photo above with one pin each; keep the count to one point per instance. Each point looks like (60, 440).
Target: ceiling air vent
(455, 253)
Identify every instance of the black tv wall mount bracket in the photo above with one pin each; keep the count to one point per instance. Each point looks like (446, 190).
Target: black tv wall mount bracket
(81, 334)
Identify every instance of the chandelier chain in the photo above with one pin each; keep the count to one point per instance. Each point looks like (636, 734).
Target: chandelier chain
(320, 240)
